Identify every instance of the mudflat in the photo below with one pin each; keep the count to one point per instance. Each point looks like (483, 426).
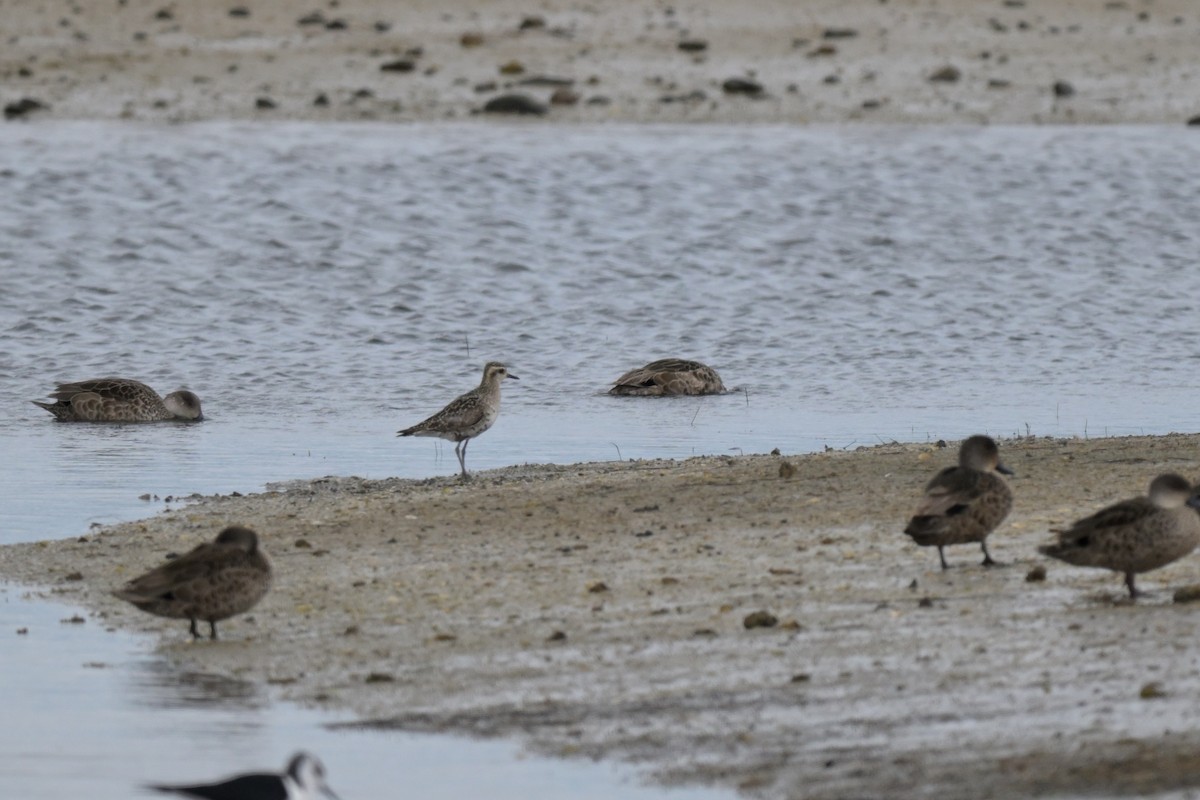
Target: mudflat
(783, 61)
(754, 622)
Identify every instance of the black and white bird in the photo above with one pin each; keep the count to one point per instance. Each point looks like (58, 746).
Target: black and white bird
(304, 779)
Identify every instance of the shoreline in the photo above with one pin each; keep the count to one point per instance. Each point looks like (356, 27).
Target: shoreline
(598, 610)
(772, 61)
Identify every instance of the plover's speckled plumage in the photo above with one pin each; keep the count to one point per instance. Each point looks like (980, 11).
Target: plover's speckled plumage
(304, 779)
(1136, 535)
(964, 503)
(468, 415)
(120, 400)
(669, 376)
(213, 582)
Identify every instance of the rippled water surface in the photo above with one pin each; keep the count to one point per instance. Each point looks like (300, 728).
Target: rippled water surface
(322, 285)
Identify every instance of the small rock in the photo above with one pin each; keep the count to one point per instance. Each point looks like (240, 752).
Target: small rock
(998, 83)
(1187, 594)
(801, 677)
(264, 103)
(400, 65)
(514, 104)
(599, 100)
(1152, 691)
(73, 620)
(546, 80)
(1036, 574)
(22, 631)
(596, 587)
(25, 105)
(786, 470)
(776, 452)
(336, 25)
(532, 22)
(693, 45)
(73, 576)
(742, 86)
(513, 67)
(557, 636)
(946, 74)
(925, 602)
(1194, 121)
(823, 50)
(486, 86)
(704, 632)
(379, 677)
(1063, 89)
(315, 18)
(164, 13)
(382, 27)
(760, 619)
(239, 11)
(303, 544)
(471, 39)
(321, 100)
(839, 33)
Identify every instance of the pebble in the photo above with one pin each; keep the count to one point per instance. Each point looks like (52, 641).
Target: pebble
(471, 39)
(1187, 594)
(760, 619)
(1063, 89)
(742, 86)
(1152, 691)
(693, 45)
(514, 104)
(1036, 574)
(264, 103)
(20, 108)
(400, 65)
(946, 74)
(1194, 121)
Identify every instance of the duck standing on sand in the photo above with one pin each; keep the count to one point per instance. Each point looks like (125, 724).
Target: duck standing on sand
(467, 415)
(669, 376)
(1136, 535)
(120, 400)
(212, 582)
(964, 503)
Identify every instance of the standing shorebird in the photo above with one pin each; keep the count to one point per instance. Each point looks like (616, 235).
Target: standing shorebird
(304, 779)
(965, 503)
(120, 400)
(468, 415)
(668, 376)
(213, 582)
(1135, 535)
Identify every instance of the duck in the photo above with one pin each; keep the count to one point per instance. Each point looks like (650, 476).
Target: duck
(1136, 535)
(964, 503)
(467, 415)
(120, 400)
(669, 376)
(213, 582)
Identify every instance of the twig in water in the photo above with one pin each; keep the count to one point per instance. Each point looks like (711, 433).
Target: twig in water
(746, 392)
(467, 339)
(693, 422)
(740, 452)
(614, 444)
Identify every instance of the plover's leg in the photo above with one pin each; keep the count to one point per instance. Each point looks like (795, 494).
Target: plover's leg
(192, 629)
(942, 556)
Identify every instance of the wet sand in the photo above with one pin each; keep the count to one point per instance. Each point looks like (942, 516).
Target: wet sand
(599, 610)
(817, 61)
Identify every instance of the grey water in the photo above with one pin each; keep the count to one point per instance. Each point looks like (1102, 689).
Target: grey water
(96, 714)
(322, 285)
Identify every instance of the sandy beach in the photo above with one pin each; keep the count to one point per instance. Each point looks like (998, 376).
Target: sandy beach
(602, 611)
(819, 61)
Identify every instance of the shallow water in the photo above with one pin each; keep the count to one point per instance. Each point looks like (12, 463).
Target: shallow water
(321, 286)
(97, 714)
